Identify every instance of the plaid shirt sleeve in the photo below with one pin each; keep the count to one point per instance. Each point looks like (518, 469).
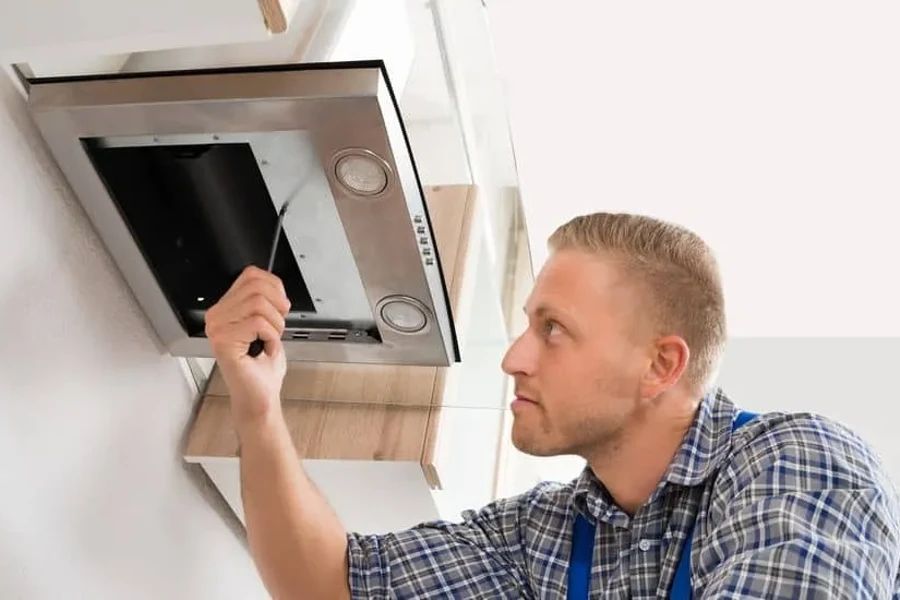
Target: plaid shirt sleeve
(482, 557)
(806, 511)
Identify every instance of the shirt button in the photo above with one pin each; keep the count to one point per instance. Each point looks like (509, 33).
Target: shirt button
(644, 545)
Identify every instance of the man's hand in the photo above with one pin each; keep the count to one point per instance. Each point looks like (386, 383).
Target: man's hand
(255, 305)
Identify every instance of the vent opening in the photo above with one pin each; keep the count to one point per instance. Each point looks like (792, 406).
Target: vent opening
(200, 214)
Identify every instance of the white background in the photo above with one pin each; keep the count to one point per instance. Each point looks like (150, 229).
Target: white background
(770, 128)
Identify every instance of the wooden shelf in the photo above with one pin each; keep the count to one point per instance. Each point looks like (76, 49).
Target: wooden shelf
(366, 384)
(322, 430)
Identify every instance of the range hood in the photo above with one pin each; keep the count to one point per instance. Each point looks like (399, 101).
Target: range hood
(183, 174)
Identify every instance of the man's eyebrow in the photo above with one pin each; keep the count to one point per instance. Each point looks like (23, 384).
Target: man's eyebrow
(540, 311)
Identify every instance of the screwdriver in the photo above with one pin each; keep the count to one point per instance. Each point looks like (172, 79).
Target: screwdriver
(257, 345)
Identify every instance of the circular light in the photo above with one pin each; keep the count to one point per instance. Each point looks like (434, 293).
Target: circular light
(403, 315)
(361, 174)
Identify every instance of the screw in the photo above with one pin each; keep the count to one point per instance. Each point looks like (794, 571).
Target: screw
(265, 163)
(318, 299)
(215, 137)
(302, 256)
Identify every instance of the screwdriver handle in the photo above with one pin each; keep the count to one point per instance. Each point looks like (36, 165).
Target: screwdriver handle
(256, 347)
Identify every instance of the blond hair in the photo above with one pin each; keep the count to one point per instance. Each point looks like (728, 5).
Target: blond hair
(676, 268)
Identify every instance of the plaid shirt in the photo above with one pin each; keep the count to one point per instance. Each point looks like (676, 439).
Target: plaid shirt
(789, 506)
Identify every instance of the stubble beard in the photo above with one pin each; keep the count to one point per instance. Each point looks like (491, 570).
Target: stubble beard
(532, 434)
(596, 436)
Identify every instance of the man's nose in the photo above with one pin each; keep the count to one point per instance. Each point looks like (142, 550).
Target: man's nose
(519, 358)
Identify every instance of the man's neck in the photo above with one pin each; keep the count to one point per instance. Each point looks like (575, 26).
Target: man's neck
(632, 469)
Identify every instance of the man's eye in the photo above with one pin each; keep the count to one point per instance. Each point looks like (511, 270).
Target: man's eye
(550, 327)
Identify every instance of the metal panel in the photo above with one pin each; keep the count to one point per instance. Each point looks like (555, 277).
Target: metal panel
(357, 250)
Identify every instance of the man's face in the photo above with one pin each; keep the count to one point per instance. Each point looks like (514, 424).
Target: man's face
(578, 366)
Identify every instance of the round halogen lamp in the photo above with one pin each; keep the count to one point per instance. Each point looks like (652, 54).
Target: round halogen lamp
(362, 172)
(403, 314)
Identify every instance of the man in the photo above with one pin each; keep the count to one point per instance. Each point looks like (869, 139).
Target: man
(625, 331)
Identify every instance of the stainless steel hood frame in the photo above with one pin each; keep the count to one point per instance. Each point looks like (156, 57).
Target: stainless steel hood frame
(341, 109)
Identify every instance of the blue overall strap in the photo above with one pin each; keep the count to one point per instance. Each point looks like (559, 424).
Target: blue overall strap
(581, 559)
(579, 583)
(681, 585)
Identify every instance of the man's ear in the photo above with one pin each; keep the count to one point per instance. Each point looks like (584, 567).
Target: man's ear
(669, 358)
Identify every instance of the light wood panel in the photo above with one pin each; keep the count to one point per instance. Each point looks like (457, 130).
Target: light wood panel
(273, 15)
(450, 210)
(372, 384)
(321, 430)
(459, 249)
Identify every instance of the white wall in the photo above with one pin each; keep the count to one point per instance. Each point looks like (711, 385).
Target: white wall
(94, 501)
(849, 379)
(769, 127)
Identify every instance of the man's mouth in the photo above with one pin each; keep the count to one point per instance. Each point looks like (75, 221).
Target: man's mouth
(522, 400)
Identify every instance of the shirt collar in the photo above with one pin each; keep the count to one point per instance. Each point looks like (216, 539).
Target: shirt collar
(705, 447)
(707, 443)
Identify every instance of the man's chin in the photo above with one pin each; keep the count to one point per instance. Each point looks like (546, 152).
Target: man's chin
(527, 444)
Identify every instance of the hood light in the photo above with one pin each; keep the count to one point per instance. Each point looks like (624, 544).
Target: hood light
(403, 314)
(362, 172)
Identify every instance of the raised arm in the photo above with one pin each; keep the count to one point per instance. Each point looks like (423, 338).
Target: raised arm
(811, 514)
(300, 548)
(297, 542)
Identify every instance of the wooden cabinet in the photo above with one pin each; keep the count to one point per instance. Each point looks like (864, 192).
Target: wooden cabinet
(378, 439)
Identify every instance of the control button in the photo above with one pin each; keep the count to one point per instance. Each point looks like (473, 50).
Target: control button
(644, 545)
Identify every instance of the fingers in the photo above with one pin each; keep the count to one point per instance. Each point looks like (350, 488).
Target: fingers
(250, 284)
(234, 341)
(259, 305)
(249, 329)
(254, 276)
(254, 306)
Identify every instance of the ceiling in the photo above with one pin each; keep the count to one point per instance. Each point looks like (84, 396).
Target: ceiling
(770, 128)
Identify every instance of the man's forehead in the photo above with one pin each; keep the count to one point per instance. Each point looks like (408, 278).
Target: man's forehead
(571, 279)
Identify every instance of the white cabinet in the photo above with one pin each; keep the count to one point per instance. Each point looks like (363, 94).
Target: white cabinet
(61, 30)
(49, 38)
